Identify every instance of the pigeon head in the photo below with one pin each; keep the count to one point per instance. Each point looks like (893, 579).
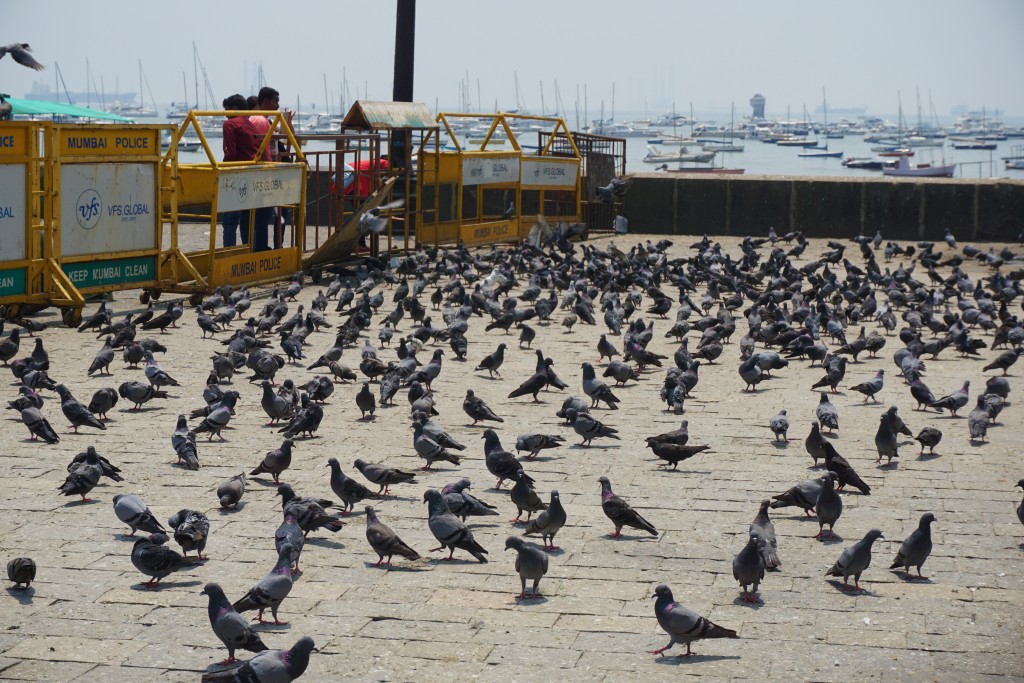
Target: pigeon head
(927, 518)
(333, 464)
(588, 371)
(371, 516)
(359, 464)
(286, 492)
(873, 535)
(606, 486)
(1020, 484)
(663, 592)
(514, 542)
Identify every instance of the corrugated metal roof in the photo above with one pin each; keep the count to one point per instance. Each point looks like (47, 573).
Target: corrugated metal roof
(370, 115)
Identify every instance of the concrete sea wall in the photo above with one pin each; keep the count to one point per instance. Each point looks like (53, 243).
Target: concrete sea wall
(904, 209)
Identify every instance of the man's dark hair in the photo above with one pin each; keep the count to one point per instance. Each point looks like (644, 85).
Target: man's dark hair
(234, 102)
(267, 93)
(251, 102)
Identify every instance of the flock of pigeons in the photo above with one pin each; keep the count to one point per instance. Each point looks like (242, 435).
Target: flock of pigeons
(816, 314)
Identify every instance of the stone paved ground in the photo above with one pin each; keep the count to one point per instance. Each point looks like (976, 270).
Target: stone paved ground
(87, 618)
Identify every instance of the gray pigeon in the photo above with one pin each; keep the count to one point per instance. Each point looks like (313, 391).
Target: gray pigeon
(978, 420)
(103, 358)
(271, 590)
(548, 522)
(748, 567)
(779, 426)
(620, 513)
(139, 393)
(384, 476)
(346, 488)
(930, 437)
(765, 530)
(231, 491)
(531, 563)
(270, 666)
(153, 558)
(131, 510)
(107, 468)
(276, 461)
(885, 440)
(828, 506)
(38, 426)
(19, 52)
(103, 401)
(597, 390)
(589, 429)
(183, 440)
(854, 560)
(492, 362)
(477, 409)
(276, 407)
(525, 498)
(83, 478)
(953, 402)
(231, 627)
(21, 570)
(916, 548)
(430, 450)
(534, 443)
(1020, 508)
(218, 417)
(683, 625)
(463, 504)
(448, 529)
(815, 443)
(290, 533)
(76, 412)
(384, 541)
(365, 401)
(827, 414)
(191, 530)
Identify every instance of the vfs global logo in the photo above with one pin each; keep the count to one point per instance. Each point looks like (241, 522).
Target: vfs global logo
(89, 208)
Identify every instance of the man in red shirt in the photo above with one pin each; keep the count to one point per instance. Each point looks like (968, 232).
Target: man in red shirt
(240, 144)
(268, 99)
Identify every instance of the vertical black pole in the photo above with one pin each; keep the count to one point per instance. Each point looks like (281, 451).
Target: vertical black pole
(405, 43)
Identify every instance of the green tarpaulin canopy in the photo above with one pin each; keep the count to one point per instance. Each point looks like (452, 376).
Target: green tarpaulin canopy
(40, 108)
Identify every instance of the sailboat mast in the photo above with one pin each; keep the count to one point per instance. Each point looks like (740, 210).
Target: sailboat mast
(195, 70)
(326, 98)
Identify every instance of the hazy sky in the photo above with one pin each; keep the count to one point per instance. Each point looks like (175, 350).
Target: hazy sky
(656, 53)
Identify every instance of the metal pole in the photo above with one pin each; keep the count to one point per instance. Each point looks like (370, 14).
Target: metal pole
(405, 42)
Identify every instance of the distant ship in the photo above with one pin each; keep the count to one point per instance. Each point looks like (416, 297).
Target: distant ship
(44, 93)
(854, 111)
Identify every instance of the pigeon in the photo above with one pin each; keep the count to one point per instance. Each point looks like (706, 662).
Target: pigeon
(764, 529)
(620, 513)
(845, 474)
(384, 541)
(83, 478)
(463, 504)
(779, 426)
(855, 559)
(103, 359)
(826, 414)
(871, 386)
(804, 495)
(828, 507)
(153, 558)
(916, 548)
(107, 468)
(219, 417)
(76, 413)
(157, 377)
(21, 570)
(309, 513)
(597, 390)
(548, 522)
(676, 436)
(673, 453)
(276, 407)
(748, 568)
(589, 429)
(885, 440)
(230, 491)
(531, 563)
(365, 401)
(571, 408)
(1020, 508)
(347, 489)
(430, 450)
(525, 498)
(534, 443)
(230, 626)
(19, 52)
(477, 409)
(276, 461)
(752, 374)
(290, 533)
(271, 590)
(270, 666)
(450, 532)
(1004, 360)
(103, 401)
(437, 432)
(38, 426)
(606, 349)
(922, 394)
(500, 462)
(533, 385)
(383, 476)
(814, 444)
(953, 402)
(492, 362)
(978, 420)
(930, 437)
(683, 625)
(896, 422)
(139, 393)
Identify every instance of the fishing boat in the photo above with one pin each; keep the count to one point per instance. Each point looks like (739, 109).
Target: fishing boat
(894, 151)
(701, 169)
(656, 156)
(866, 163)
(972, 143)
(905, 169)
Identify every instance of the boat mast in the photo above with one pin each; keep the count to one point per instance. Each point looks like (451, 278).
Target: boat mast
(60, 75)
(195, 70)
(612, 117)
(326, 98)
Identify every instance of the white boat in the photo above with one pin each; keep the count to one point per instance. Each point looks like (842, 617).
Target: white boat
(717, 146)
(905, 169)
(184, 144)
(656, 156)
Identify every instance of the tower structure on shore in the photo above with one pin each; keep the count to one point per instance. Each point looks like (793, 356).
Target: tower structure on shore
(757, 102)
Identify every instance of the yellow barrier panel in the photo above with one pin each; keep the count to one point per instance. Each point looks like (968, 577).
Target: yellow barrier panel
(24, 236)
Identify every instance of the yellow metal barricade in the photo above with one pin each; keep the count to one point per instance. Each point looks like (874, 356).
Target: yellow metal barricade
(216, 187)
(25, 243)
(483, 192)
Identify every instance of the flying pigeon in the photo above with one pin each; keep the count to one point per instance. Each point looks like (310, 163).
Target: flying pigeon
(19, 52)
